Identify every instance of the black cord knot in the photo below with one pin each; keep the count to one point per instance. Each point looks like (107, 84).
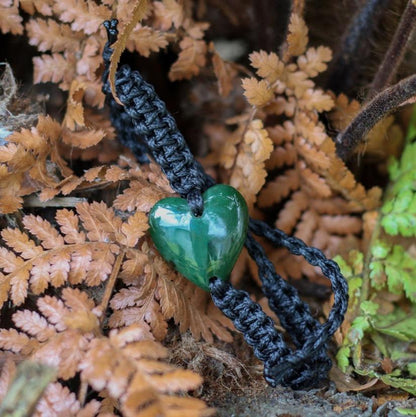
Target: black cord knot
(112, 34)
(297, 376)
(196, 202)
(298, 373)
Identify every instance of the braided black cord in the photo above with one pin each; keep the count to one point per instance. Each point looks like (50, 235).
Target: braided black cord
(248, 317)
(284, 299)
(123, 123)
(310, 364)
(145, 115)
(151, 120)
(315, 257)
(126, 131)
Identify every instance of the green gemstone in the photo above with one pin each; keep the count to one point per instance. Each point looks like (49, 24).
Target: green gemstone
(205, 246)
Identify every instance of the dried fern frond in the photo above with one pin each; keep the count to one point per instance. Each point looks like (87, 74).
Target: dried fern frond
(155, 294)
(67, 257)
(127, 364)
(10, 19)
(29, 161)
(84, 250)
(71, 38)
(315, 195)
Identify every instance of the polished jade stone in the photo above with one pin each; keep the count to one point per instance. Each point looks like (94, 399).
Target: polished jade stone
(205, 246)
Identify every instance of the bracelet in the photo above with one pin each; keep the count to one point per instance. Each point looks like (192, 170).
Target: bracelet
(206, 256)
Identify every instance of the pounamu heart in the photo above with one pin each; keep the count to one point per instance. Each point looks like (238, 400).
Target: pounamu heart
(205, 246)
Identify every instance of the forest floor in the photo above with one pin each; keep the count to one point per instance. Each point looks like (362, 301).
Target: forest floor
(284, 402)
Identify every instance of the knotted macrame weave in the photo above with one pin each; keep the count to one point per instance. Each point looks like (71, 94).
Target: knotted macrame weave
(145, 126)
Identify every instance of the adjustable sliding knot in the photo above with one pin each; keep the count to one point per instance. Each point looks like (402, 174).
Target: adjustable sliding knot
(144, 116)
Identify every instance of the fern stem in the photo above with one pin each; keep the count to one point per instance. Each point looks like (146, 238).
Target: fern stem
(355, 47)
(366, 285)
(397, 48)
(110, 283)
(380, 106)
(82, 392)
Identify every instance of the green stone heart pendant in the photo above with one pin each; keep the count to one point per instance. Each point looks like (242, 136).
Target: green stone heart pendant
(205, 246)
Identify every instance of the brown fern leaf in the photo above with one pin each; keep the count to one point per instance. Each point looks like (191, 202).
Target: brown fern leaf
(248, 174)
(48, 35)
(57, 68)
(42, 6)
(83, 139)
(74, 116)
(7, 373)
(275, 191)
(82, 249)
(146, 40)
(30, 161)
(64, 40)
(71, 36)
(10, 19)
(147, 184)
(70, 255)
(168, 13)
(155, 293)
(195, 311)
(128, 366)
(258, 93)
(48, 339)
(190, 60)
(138, 304)
(268, 65)
(83, 15)
(59, 400)
(139, 197)
(314, 61)
(281, 156)
(244, 153)
(297, 39)
(66, 334)
(224, 72)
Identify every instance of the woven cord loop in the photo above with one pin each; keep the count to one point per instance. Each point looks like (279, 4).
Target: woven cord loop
(144, 125)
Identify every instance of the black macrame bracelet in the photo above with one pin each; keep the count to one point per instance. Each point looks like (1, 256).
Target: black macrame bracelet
(144, 125)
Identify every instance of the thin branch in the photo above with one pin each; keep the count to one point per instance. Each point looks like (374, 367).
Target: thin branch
(397, 48)
(82, 392)
(34, 201)
(379, 107)
(110, 284)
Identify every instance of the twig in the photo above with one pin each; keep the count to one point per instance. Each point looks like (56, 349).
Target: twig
(380, 106)
(355, 47)
(397, 48)
(82, 392)
(26, 389)
(34, 201)
(110, 284)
